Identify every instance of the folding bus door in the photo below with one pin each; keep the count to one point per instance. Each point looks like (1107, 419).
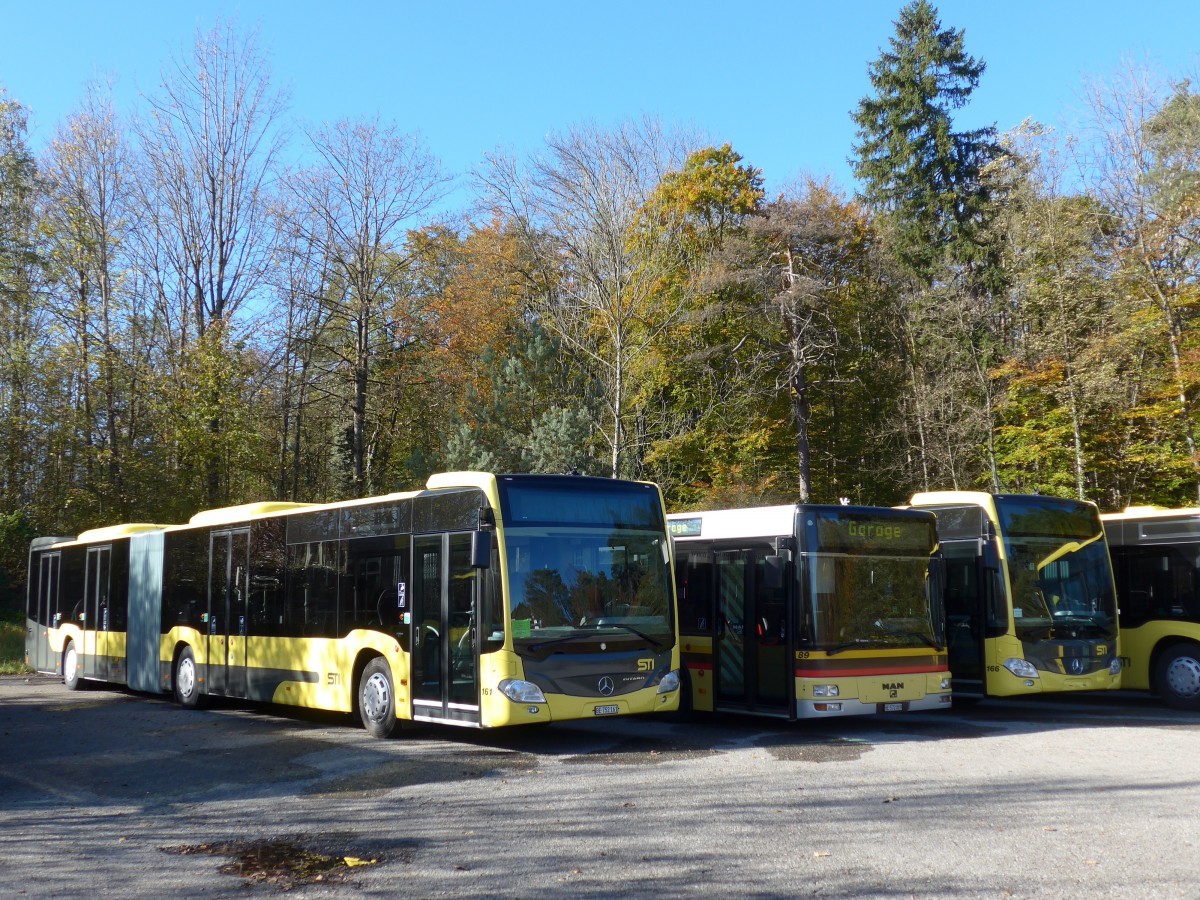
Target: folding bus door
(752, 664)
(45, 611)
(445, 627)
(96, 651)
(228, 594)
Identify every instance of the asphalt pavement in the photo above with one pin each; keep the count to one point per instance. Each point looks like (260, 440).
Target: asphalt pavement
(107, 793)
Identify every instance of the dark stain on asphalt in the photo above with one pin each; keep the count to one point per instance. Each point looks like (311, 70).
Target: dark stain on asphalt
(815, 750)
(643, 751)
(463, 765)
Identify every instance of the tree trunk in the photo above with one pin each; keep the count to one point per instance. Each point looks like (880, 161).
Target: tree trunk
(801, 414)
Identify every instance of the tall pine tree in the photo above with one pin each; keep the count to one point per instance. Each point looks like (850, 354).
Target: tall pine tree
(913, 166)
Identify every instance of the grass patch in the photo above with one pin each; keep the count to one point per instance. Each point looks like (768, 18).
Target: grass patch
(12, 642)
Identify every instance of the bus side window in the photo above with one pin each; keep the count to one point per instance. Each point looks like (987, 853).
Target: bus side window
(996, 608)
(694, 586)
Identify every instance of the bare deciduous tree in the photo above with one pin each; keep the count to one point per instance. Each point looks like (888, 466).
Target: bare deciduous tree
(89, 215)
(1157, 242)
(209, 147)
(577, 206)
(371, 184)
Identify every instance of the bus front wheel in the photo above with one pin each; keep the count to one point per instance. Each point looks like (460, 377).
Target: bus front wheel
(186, 681)
(1177, 677)
(376, 699)
(71, 667)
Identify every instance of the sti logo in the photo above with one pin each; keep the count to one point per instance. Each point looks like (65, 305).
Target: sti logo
(645, 665)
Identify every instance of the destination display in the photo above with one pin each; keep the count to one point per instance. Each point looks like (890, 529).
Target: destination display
(855, 532)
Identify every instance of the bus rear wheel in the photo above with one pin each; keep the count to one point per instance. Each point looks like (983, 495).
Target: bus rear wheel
(71, 667)
(376, 699)
(185, 680)
(1177, 677)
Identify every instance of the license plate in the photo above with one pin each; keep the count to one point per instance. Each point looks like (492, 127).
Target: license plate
(893, 707)
(607, 710)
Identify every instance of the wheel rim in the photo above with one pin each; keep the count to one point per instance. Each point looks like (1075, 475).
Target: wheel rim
(185, 678)
(376, 697)
(70, 664)
(1183, 677)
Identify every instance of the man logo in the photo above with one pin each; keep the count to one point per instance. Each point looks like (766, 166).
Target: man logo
(606, 686)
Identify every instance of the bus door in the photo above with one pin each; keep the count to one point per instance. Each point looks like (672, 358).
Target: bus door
(971, 596)
(445, 629)
(96, 651)
(751, 658)
(45, 611)
(228, 593)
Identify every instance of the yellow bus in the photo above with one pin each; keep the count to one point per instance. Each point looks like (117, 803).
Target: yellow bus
(1030, 602)
(810, 611)
(480, 601)
(1155, 555)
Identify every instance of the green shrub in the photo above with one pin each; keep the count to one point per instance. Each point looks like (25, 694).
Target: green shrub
(12, 642)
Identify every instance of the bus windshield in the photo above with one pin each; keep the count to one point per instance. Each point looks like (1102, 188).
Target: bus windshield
(1062, 585)
(588, 564)
(869, 582)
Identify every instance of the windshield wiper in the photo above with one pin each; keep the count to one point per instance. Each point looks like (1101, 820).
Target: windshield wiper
(562, 640)
(907, 632)
(923, 638)
(850, 645)
(655, 642)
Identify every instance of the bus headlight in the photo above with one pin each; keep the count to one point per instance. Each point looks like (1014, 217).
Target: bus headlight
(825, 690)
(670, 682)
(519, 691)
(1022, 668)
(945, 684)
(1114, 667)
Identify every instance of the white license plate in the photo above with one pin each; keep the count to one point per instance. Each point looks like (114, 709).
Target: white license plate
(607, 710)
(893, 707)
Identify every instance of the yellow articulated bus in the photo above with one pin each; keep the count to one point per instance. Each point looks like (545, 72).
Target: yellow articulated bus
(481, 601)
(1030, 602)
(810, 611)
(1156, 555)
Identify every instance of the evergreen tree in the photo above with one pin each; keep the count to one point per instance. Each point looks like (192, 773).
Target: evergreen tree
(913, 166)
(536, 417)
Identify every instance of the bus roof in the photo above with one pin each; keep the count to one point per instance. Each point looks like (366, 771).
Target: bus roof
(716, 524)
(110, 532)
(947, 498)
(1150, 512)
(245, 511)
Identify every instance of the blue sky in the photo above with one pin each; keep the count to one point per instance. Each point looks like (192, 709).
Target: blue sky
(775, 79)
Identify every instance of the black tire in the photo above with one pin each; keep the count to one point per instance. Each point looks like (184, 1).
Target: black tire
(185, 679)
(70, 667)
(376, 699)
(1177, 677)
(686, 712)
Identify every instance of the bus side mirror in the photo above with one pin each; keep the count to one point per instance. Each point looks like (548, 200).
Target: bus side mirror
(481, 549)
(989, 556)
(773, 571)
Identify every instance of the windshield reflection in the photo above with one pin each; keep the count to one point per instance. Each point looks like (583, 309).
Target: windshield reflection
(1061, 586)
(869, 601)
(587, 581)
